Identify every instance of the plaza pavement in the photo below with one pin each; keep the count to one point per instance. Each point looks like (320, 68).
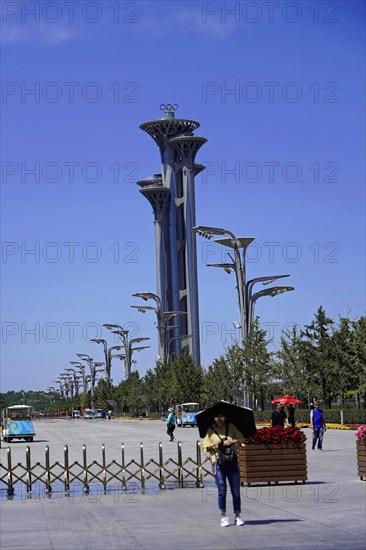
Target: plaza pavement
(328, 512)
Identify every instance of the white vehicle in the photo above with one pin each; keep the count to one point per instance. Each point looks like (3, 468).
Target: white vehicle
(76, 414)
(185, 414)
(88, 414)
(17, 423)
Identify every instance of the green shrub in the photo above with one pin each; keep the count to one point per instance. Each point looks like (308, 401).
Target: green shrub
(350, 416)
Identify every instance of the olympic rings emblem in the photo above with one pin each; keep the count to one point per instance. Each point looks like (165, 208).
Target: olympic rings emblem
(168, 107)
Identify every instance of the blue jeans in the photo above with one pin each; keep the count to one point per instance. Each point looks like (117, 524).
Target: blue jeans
(318, 435)
(233, 476)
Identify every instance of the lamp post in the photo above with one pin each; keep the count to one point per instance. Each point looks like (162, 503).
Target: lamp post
(107, 356)
(76, 380)
(127, 345)
(81, 368)
(129, 350)
(238, 266)
(92, 366)
(71, 383)
(246, 298)
(77, 384)
(68, 385)
(182, 337)
(162, 317)
(61, 387)
(51, 391)
(273, 291)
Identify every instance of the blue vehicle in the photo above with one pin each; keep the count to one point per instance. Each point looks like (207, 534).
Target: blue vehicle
(100, 413)
(185, 414)
(17, 423)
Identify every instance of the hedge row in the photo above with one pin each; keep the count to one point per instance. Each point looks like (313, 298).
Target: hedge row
(350, 416)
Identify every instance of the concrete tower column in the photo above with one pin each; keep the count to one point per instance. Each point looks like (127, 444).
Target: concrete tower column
(187, 148)
(175, 243)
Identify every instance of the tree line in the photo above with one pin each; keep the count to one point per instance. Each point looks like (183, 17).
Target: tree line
(324, 360)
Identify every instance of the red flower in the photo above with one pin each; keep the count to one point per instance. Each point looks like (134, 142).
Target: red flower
(277, 435)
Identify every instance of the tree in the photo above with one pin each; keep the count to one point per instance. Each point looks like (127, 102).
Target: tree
(241, 370)
(359, 350)
(163, 386)
(103, 394)
(186, 379)
(318, 357)
(127, 393)
(291, 369)
(259, 365)
(215, 382)
(3, 401)
(345, 358)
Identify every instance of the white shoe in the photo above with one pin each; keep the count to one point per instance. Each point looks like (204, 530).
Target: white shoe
(239, 521)
(225, 521)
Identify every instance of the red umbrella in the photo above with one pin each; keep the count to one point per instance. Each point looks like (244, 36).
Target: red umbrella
(287, 400)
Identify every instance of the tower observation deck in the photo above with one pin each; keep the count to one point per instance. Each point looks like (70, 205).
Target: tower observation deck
(172, 196)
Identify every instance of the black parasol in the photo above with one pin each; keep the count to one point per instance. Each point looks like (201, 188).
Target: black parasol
(241, 417)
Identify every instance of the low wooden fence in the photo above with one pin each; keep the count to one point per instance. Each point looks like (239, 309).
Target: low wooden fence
(120, 473)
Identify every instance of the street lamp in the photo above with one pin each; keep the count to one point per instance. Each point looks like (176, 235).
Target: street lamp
(273, 291)
(107, 356)
(84, 357)
(76, 380)
(129, 351)
(123, 334)
(51, 391)
(181, 337)
(81, 368)
(120, 356)
(69, 388)
(71, 383)
(127, 345)
(61, 387)
(162, 317)
(92, 365)
(238, 266)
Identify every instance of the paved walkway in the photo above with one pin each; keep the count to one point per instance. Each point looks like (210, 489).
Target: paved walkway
(327, 512)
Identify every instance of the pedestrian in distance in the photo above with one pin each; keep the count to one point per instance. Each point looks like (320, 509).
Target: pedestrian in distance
(291, 415)
(170, 424)
(278, 417)
(221, 442)
(318, 425)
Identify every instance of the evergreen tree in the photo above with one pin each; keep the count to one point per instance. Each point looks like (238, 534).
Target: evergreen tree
(259, 366)
(346, 376)
(186, 380)
(318, 357)
(103, 394)
(216, 382)
(359, 350)
(291, 370)
(241, 371)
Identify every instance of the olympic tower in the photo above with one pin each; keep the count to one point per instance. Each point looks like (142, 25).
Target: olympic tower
(172, 196)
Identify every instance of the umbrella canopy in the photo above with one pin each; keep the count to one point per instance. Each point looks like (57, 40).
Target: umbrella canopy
(287, 400)
(241, 417)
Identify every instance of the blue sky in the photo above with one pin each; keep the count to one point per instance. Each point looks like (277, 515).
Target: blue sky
(278, 91)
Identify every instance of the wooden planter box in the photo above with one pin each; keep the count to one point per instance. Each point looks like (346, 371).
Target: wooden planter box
(272, 463)
(361, 460)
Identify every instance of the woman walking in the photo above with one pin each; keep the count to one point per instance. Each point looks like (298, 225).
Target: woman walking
(170, 424)
(221, 442)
